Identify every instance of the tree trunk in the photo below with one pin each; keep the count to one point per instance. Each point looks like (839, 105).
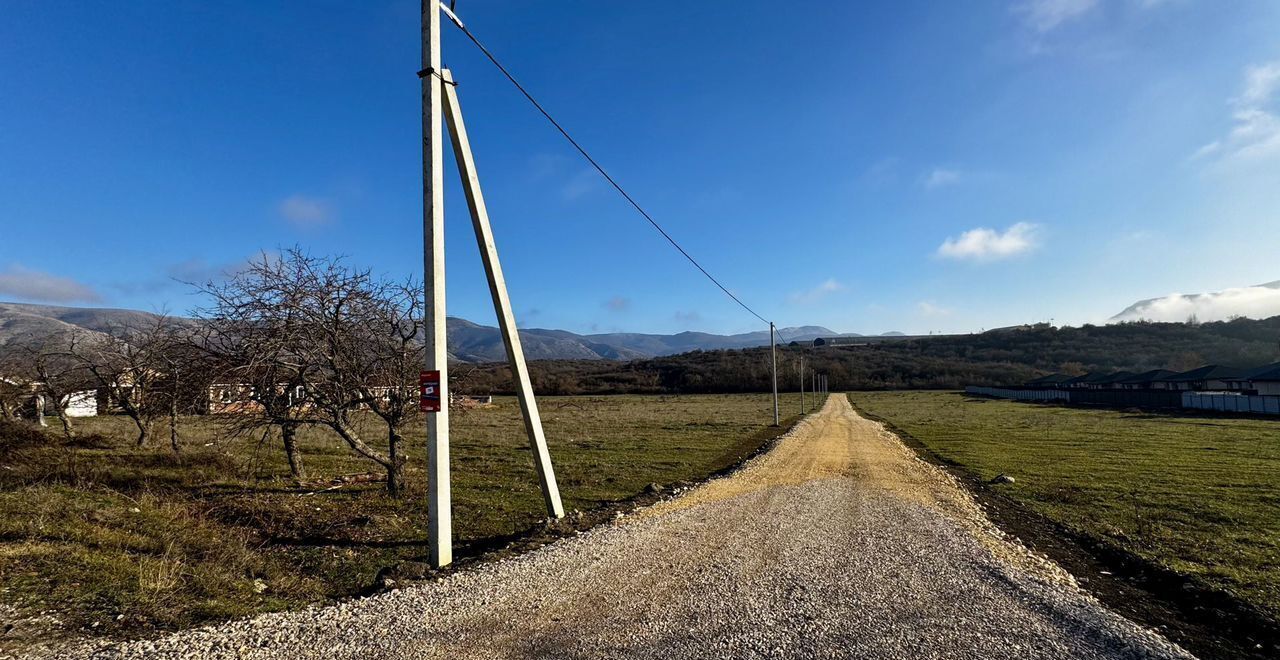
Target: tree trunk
(288, 433)
(143, 431)
(173, 412)
(66, 423)
(40, 411)
(343, 427)
(395, 467)
(173, 424)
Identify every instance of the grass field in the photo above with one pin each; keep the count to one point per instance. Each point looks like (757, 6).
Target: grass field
(1199, 495)
(113, 539)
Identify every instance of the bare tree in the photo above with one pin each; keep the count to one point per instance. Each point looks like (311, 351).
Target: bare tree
(57, 376)
(395, 355)
(318, 343)
(248, 339)
(127, 364)
(15, 389)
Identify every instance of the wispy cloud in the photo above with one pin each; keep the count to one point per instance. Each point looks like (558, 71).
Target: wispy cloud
(983, 245)
(18, 281)
(1045, 15)
(1255, 130)
(1258, 302)
(307, 212)
(817, 293)
(929, 309)
(883, 171)
(580, 184)
(617, 304)
(940, 177)
(198, 270)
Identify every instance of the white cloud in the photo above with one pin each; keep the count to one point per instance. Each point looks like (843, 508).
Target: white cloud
(984, 244)
(817, 293)
(1256, 302)
(1260, 83)
(1255, 130)
(1045, 15)
(931, 310)
(23, 283)
(307, 212)
(941, 177)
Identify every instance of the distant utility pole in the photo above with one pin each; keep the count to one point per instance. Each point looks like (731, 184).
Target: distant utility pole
(814, 389)
(773, 357)
(802, 408)
(440, 100)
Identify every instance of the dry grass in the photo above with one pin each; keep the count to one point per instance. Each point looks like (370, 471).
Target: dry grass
(115, 539)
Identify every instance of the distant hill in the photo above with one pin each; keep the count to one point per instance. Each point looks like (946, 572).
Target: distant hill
(468, 341)
(20, 321)
(569, 363)
(1004, 356)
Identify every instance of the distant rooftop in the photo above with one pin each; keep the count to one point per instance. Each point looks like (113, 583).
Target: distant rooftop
(1209, 371)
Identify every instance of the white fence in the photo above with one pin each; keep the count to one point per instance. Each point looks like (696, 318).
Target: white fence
(1020, 395)
(1219, 401)
(1263, 405)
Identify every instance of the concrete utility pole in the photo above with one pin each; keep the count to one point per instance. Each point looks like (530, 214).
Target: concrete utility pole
(773, 358)
(439, 501)
(438, 95)
(501, 301)
(814, 389)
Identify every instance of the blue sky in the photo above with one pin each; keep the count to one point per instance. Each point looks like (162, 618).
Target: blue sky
(868, 166)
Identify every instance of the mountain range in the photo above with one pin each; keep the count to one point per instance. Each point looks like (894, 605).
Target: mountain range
(468, 341)
(472, 342)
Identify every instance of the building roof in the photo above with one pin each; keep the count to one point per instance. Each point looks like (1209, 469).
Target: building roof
(1114, 378)
(1207, 372)
(1148, 377)
(1090, 378)
(1268, 372)
(1051, 379)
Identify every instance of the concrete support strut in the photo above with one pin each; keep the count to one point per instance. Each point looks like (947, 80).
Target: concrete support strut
(501, 301)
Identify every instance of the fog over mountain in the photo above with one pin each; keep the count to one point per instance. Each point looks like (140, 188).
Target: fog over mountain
(1254, 302)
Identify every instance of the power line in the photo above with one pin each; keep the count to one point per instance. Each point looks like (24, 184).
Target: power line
(597, 165)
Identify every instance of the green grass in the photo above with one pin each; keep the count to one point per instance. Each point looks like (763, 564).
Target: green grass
(1199, 495)
(99, 531)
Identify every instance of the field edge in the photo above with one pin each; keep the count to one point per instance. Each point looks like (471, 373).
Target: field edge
(1209, 622)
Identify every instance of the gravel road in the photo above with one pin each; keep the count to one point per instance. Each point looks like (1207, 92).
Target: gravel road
(838, 543)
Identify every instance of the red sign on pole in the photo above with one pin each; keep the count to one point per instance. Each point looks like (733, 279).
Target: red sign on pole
(429, 391)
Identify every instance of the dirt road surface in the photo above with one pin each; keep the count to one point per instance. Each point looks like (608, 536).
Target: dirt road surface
(838, 543)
